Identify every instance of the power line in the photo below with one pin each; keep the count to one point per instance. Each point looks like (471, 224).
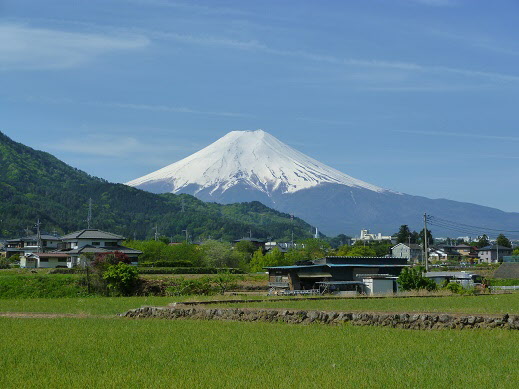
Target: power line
(456, 224)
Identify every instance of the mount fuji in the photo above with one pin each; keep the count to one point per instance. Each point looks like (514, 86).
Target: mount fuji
(254, 165)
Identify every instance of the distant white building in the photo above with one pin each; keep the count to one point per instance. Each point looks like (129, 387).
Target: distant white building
(365, 236)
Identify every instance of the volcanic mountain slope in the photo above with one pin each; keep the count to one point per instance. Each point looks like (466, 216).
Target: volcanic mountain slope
(254, 165)
(34, 184)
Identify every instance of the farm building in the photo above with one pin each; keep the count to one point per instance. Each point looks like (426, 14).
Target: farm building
(339, 274)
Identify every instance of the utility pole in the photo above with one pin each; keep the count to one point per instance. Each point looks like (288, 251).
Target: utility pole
(89, 217)
(38, 234)
(292, 225)
(425, 242)
(156, 232)
(497, 253)
(186, 234)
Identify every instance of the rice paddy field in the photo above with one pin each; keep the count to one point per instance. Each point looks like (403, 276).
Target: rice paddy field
(97, 349)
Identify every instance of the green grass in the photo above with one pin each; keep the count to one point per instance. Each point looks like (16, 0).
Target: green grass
(484, 304)
(20, 285)
(111, 353)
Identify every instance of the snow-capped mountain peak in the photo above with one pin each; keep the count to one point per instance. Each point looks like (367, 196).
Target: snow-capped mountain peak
(254, 158)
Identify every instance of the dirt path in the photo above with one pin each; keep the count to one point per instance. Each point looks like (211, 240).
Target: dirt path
(43, 315)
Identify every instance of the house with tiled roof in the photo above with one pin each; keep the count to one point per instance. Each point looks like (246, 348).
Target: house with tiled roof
(80, 244)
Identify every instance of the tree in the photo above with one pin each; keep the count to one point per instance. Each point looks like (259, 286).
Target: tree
(403, 234)
(483, 241)
(361, 251)
(411, 278)
(272, 258)
(421, 240)
(503, 241)
(315, 248)
(516, 251)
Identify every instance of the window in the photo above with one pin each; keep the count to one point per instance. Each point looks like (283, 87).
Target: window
(110, 244)
(62, 259)
(96, 243)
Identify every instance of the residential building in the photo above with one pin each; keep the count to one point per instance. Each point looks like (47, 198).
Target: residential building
(493, 253)
(29, 245)
(79, 244)
(412, 252)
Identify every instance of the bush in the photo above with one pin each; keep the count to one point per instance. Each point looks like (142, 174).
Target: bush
(121, 278)
(411, 278)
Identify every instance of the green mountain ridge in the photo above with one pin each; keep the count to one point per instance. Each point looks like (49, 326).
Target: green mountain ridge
(35, 184)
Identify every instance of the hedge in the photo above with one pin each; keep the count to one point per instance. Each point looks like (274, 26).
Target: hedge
(188, 270)
(162, 263)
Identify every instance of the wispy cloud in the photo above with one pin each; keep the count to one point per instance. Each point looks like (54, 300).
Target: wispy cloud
(117, 146)
(460, 135)
(124, 105)
(189, 6)
(167, 108)
(25, 47)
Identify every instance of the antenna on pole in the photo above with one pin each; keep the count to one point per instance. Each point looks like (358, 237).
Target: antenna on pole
(425, 242)
(89, 217)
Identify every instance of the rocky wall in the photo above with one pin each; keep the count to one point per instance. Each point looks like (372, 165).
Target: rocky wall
(416, 321)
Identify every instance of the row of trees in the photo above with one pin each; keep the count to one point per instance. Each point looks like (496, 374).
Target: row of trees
(246, 256)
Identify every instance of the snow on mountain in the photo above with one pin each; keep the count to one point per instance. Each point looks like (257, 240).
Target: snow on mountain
(254, 158)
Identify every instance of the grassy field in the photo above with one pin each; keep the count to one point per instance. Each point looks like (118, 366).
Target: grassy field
(484, 304)
(110, 353)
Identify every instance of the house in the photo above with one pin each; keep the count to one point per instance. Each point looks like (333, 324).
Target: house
(29, 245)
(281, 246)
(411, 251)
(336, 273)
(438, 255)
(258, 243)
(466, 251)
(493, 253)
(78, 245)
(43, 260)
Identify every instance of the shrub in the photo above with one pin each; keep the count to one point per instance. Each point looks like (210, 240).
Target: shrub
(411, 278)
(121, 278)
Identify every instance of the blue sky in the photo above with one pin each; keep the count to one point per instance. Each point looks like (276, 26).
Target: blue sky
(418, 96)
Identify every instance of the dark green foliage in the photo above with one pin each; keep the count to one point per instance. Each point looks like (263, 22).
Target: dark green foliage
(34, 184)
(503, 241)
(121, 278)
(411, 278)
(179, 263)
(483, 241)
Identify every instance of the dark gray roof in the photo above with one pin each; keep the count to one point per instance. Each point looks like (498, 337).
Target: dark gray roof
(509, 270)
(35, 237)
(92, 234)
(413, 246)
(494, 248)
(97, 250)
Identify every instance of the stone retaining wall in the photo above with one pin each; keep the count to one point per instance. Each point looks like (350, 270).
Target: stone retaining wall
(396, 320)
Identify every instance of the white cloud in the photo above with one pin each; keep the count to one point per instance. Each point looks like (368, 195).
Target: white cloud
(167, 108)
(24, 47)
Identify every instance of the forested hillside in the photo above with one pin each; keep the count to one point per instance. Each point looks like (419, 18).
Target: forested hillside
(35, 184)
